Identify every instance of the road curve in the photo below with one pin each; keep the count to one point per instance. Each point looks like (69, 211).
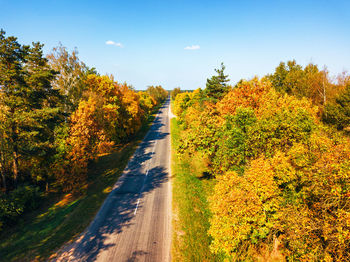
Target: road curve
(134, 222)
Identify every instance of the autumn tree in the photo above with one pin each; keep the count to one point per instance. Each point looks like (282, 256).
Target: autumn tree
(175, 92)
(87, 139)
(158, 93)
(108, 114)
(310, 82)
(338, 112)
(147, 102)
(71, 75)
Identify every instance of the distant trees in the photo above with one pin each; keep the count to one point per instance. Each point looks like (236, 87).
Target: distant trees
(316, 85)
(157, 92)
(175, 92)
(307, 82)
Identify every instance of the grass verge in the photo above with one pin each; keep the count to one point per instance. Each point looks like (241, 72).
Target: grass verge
(61, 218)
(190, 206)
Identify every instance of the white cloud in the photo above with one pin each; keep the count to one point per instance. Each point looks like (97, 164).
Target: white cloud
(110, 42)
(192, 47)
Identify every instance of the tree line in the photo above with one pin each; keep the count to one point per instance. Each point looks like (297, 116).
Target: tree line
(56, 116)
(278, 148)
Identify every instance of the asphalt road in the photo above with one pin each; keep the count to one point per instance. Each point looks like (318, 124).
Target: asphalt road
(134, 223)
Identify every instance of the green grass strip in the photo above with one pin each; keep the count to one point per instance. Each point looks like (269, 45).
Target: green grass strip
(190, 206)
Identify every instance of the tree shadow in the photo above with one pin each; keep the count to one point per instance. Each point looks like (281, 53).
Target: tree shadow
(136, 254)
(205, 176)
(115, 215)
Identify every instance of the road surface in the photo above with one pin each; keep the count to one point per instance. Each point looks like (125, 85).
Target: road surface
(134, 223)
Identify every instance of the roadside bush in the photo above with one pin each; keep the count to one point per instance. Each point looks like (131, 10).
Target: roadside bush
(22, 199)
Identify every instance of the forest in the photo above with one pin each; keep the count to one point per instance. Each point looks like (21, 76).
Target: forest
(278, 151)
(57, 116)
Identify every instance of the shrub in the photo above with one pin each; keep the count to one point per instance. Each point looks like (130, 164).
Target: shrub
(18, 201)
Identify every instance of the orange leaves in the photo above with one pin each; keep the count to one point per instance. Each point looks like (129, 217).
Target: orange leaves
(131, 103)
(121, 108)
(86, 141)
(246, 94)
(108, 114)
(86, 130)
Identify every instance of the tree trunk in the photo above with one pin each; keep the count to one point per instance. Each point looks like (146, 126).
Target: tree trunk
(324, 94)
(15, 153)
(3, 177)
(2, 171)
(15, 165)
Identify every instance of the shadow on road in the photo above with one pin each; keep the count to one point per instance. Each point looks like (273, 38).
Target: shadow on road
(118, 209)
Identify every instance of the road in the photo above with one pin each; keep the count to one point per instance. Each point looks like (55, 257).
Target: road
(134, 223)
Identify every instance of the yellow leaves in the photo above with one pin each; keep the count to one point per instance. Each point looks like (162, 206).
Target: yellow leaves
(283, 170)
(300, 155)
(108, 190)
(230, 223)
(180, 103)
(130, 101)
(147, 102)
(243, 207)
(102, 85)
(260, 176)
(107, 114)
(294, 174)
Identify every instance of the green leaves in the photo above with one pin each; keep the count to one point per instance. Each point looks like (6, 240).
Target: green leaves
(338, 113)
(216, 86)
(32, 105)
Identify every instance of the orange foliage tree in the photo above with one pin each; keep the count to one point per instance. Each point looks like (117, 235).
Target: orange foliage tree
(108, 114)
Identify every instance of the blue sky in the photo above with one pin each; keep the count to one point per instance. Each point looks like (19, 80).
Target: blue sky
(250, 37)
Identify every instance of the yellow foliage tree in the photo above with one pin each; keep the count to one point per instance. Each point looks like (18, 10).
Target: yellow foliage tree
(108, 114)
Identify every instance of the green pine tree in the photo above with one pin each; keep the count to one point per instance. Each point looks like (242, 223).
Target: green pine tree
(216, 86)
(32, 105)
